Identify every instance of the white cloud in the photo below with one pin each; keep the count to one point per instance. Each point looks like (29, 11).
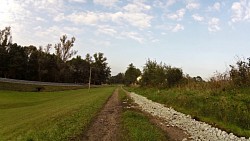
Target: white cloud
(107, 3)
(133, 35)
(40, 19)
(79, 1)
(136, 7)
(105, 29)
(177, 27)
(213, 25)
(137, 19)
(192, 5)
(240, 11)
(100, 43)
(12, 11)
(51, 6)
(216, 6)
(140, 20)
(197, 17)
(170, 2)
(54, 32)
(88, 18)
(178, 15)
(237, 12)
(59, 17)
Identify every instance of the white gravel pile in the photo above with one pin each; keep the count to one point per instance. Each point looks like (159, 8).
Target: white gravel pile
(199, 131)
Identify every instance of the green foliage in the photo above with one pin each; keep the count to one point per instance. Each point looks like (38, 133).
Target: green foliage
(79, 69)
(159, 75)
(118, 79)
(100, 70)
(30, 63)
(131, 74)
(55, 116)
(173, 76)
(240, 74)
(227, 109)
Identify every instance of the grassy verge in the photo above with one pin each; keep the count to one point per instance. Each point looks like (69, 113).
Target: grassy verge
(33, 87)
(137, 127)
(48, 115)
(228, 110)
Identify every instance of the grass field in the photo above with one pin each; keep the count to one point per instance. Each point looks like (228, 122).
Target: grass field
(228, 110)
(53, 116)
(137, 127)
(33, 87)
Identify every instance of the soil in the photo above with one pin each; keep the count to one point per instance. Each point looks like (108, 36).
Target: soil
(106, 126)
(173, 133)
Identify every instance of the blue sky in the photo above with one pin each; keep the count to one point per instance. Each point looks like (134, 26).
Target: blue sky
(199, 36)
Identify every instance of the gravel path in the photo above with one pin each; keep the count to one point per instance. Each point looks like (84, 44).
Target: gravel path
(198, 131)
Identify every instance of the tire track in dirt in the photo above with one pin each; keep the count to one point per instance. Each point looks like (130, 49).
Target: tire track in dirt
(106, 126)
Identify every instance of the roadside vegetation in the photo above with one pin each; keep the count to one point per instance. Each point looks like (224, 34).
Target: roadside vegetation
(136, 126)
(49, 115)
(222, 101)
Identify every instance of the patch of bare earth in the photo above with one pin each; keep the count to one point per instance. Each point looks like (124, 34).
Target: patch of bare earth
(106, 126)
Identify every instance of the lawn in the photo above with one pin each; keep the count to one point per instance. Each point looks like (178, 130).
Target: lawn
(49, 115)
(228, 110)
(34, 87)
(136, 126)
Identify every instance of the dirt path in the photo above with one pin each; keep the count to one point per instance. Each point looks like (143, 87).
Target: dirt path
(106, 126)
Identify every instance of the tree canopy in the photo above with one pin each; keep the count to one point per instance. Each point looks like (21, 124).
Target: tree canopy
(131, 74)
(39, 64)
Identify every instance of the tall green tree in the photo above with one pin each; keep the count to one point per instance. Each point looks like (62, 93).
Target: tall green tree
(17, 62)
(100, 69)
(131, 74)
(154, 74)
(64, 51)
(117, 79)
(240, 73)
(79, 70)
(159, 75)
(5, 42)
(173, 76)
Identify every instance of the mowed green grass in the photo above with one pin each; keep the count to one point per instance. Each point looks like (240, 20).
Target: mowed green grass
(137, 127)
(49, 115)
(33, 87)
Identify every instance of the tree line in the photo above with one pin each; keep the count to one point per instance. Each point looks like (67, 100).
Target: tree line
(153, 75)
(39, 64)
(165, 76)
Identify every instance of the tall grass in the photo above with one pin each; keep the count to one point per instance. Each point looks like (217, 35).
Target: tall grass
(48, 115)
(228, 109)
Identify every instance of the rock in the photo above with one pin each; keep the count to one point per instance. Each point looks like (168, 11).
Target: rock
(185, 139)
(196, 129)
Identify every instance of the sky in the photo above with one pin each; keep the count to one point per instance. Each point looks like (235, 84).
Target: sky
(199, 36)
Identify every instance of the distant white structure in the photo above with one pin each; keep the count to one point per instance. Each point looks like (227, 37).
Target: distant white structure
(139, 78)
